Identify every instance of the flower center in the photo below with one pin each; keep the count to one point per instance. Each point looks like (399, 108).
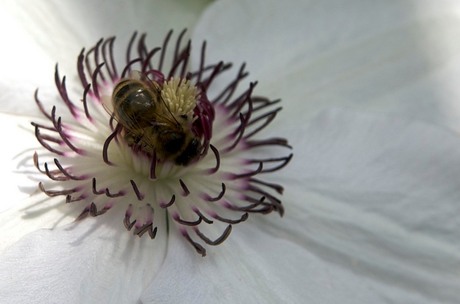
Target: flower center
(169, 152)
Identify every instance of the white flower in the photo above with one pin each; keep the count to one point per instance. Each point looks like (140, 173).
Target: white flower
(370, 199)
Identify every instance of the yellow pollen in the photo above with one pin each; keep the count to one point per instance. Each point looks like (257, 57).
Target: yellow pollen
(180, 96)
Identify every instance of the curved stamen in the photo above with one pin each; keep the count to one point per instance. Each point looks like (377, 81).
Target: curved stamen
(217, 241)
(61, 87)
(200, 249)
(139, 195)
(66, 173)
(208, 198)
(282, 160)
(248, 174)
(186, 192)
(105, 149)
(177, 218)
(97, 72)
(40, 105)
(53, 193)
(169, 204)
(230, 221)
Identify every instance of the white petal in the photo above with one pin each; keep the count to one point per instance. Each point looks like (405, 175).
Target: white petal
(253, 267)
(18, 145)
(94, 261)
(23, 208)
(379, 196)
(399, 56)
(37, 34)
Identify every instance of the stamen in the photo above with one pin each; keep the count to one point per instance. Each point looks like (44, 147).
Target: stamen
(66, 173)
(53, 193)
(66, 139)
(97, 72)
(184, 188)
(208, 198)
(171, 202)
(40, 105)
(229, 221)
(216, 155)
(204, 218)
(54, 175)
(282, 160)
(108, 57)
(163, 50)
(94, 212)
(42, 140)
(139, 195)
(61, 87)
(85, 103)
(200, 249)
(248, 174)
(177, 218)
(217, 241)
(105, 149)
(81, 69)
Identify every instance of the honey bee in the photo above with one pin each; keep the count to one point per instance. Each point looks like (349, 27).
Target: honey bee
(149, 125)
